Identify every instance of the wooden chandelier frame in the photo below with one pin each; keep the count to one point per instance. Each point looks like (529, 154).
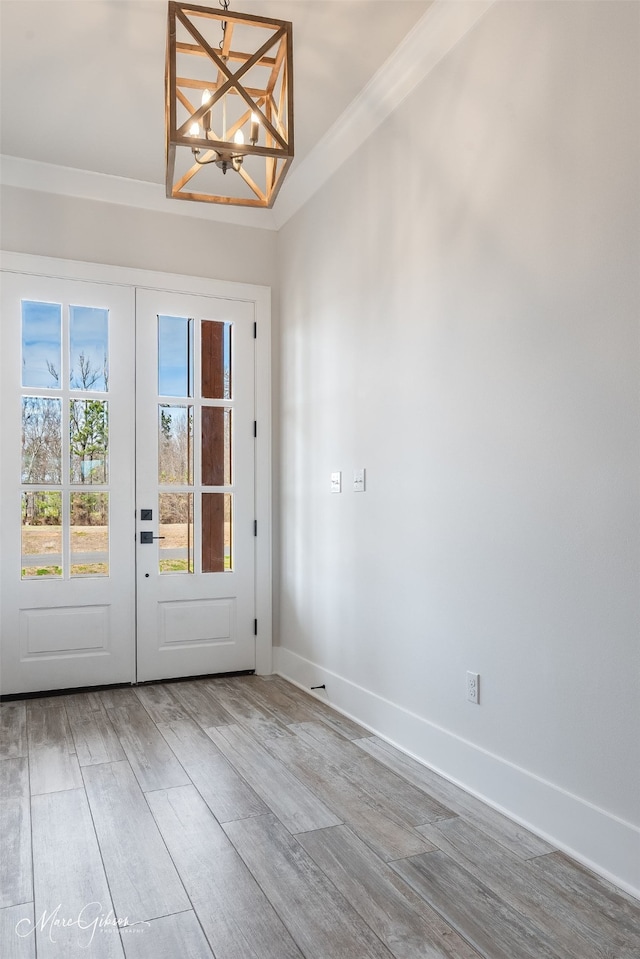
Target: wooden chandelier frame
(273, 108)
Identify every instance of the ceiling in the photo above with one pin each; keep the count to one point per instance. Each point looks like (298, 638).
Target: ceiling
(82, 81)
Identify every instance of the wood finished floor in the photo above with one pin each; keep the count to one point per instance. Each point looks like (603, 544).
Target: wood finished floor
(242, 819)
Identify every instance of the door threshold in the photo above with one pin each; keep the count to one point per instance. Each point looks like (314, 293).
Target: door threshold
(189, 679)
(41, 694)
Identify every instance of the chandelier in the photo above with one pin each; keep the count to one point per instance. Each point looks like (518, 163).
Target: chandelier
(229, 105)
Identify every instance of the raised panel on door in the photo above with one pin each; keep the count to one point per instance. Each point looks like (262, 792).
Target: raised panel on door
(67, 484)
(195, 485)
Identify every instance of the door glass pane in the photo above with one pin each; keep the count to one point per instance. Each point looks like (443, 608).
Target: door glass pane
(41, 534)
(88, 441)
(41, 339)
(216, 446)
(175, 446)
(175, 356)
(216, 532)
(89, 534)
(176, 526)
(88, 348)
(216, 359)
(41, 440)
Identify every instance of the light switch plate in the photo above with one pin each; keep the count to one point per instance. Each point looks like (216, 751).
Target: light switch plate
(336, 482)
(358, 481)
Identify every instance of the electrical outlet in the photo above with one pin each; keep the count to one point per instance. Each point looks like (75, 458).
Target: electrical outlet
(473, 688)
(336, 482)
(358, 481)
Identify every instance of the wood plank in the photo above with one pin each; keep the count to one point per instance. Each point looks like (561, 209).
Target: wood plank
(492, 927)
(53, 764)
(270, 696)
(122, 696)
(295, 805)
(142, 878)
(226, 793)
(199, 701)
(232, 696)
(604, 910)
(399, 917)
(166, 938)
(93, 734)
(44, 702)
(13, 730)
(15, 833)
(571, 928)
(86, 702)
(318, 917)
(288, 705)
(379, 828)
(265, 732)
(323, 712)
(153, 763)
(69, 880)
(238, 920)
(585, 882)
(160, 704)
(17, 932)
(513, 836)
(405, 801)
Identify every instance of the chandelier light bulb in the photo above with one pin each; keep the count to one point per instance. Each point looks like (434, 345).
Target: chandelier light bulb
(239, 137)
(255, 128)
(206, 117)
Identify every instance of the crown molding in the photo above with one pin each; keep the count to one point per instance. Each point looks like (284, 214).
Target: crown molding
(88, 185)
(442, 26)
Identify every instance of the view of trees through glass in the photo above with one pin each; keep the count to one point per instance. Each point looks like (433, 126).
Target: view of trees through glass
(65, 441)
(64, 422)
(187, 405)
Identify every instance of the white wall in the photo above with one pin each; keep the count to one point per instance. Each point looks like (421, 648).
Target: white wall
(459, 315)
(77, 229)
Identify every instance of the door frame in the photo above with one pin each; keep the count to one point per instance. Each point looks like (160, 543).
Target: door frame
(260, 296)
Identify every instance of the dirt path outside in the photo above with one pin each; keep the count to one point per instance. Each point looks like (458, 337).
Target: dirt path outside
(88, 539)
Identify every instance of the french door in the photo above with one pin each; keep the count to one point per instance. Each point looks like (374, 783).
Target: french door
(195, 485)
(127, 484)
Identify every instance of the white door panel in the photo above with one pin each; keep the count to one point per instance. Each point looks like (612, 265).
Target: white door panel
(195, 473)
(68, 616)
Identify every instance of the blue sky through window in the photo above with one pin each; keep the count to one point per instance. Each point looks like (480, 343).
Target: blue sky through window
(175, 356)
(41, 344)
(89, 348)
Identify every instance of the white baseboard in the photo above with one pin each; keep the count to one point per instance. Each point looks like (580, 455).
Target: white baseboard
(599, 840)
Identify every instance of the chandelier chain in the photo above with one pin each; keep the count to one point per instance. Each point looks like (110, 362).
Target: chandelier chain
(225, 6)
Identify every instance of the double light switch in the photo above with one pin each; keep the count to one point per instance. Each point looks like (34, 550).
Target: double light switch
(358, 481)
